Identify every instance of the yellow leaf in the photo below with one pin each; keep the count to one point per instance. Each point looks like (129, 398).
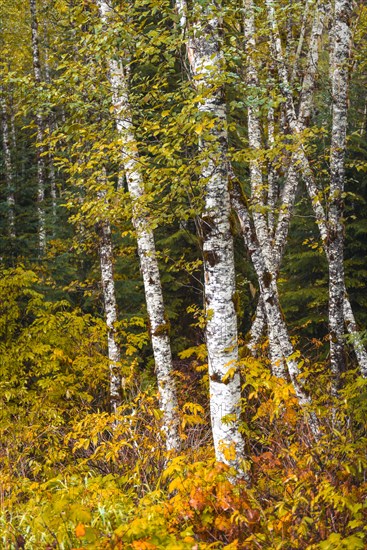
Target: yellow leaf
(229, 451)
(222, 523)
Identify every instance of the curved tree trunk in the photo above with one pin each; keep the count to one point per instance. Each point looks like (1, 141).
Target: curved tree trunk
(296, 126)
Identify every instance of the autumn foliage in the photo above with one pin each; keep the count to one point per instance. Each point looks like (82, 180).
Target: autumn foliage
(75, 477)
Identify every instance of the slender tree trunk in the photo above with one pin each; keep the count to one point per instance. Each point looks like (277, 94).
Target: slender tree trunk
(270, 297)
(109, 297)
(301, 159)
(257, 327)
(206, 62)
(51, 166)
(301, 39)
(272, 179)
(258, 195)
(41, 167)
(159, 325)
(8, 168)
(289, 191)
(341, 49)
(308, 83)
(53, 189)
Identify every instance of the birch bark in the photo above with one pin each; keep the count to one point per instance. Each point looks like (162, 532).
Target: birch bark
(270, 297)
(258, 324)
(51, 166)
(272, 180)
(301, 39)
(109, 298)
(300, 157)
(10, 199)
(41, 167)
(280, 232)
(340, 79)
(258, 196)
(105, 250)
(206, 62)
(146, 249)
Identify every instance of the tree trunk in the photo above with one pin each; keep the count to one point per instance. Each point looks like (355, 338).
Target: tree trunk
(159, 325)
(8, 168)
(270, 298)
(297, 125)
(341, 49)
(206, 62)
(258, 195)
(105, 251)
(51, 166)
(41, 167)
(108, 287)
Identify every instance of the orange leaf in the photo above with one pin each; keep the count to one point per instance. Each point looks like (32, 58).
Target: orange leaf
(253, 516)
(79, 530)
(197, 499)
(143, 545)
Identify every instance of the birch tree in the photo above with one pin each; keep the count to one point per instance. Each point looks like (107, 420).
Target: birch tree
(339, 70)
(41, 165)
(159, 326)
(258, 196)
(207, 67)
(8, 165)
(296, 126)
(50, 124)
(279, 228)
(105, 252)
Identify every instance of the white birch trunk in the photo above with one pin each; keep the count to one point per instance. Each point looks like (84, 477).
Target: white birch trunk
(289, 191)
(108, 287)
(272, 180)
(305, 106)
(109, 297)
(300, 157)
(257, 327)
(159, 325)
(51, 167)
(105, 251)
(206, 63)
(340, 79)
(270, 297)
(254, 137)
(10, 199)
(41, 168)
(53, 190)
(258, 189)
(321, 221)
(308, 83)
(301, 39)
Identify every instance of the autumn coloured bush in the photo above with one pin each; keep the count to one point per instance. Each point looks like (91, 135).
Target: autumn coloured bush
(75, 477)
